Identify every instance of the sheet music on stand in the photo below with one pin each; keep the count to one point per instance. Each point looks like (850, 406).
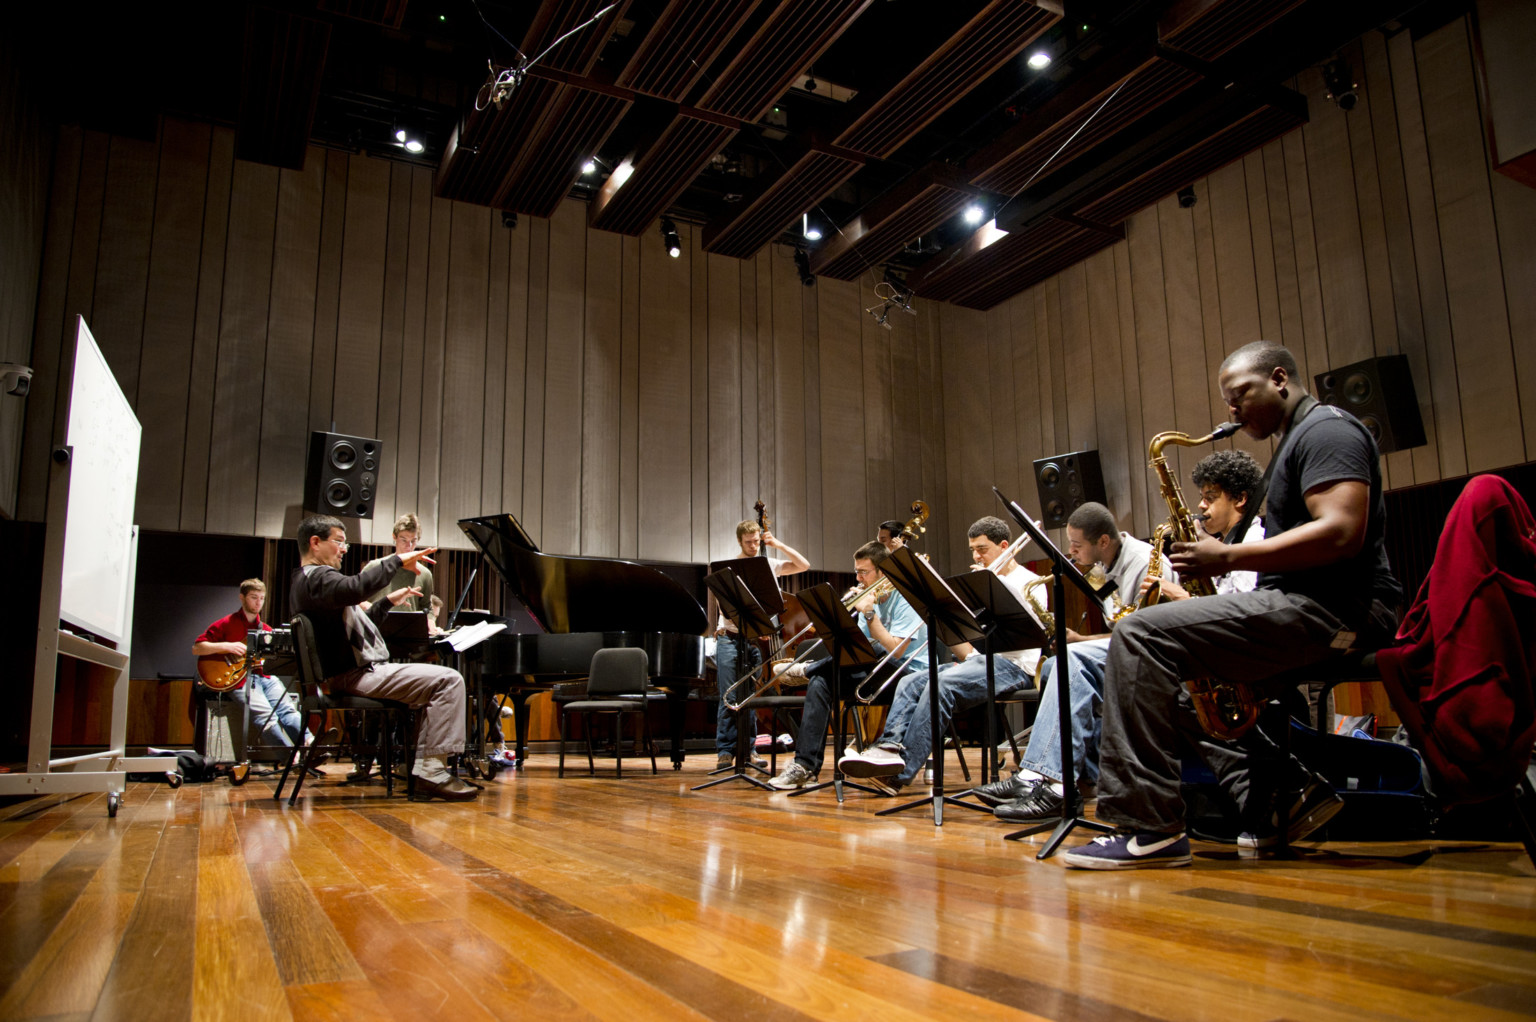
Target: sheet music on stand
(756, 573)
(929, 594)
(470, 636)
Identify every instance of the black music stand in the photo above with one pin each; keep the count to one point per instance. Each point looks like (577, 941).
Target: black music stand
(949, 621)
(737, 602)
(849, 649)
(1009, 625)
(1061, 568)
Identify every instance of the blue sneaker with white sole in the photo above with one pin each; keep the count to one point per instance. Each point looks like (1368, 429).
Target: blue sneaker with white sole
(1131, 850)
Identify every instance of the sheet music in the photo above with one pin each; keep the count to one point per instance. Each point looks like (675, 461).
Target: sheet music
(472, 635)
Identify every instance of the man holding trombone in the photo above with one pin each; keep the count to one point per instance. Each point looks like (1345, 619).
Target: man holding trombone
(905, 742)
(891, 625)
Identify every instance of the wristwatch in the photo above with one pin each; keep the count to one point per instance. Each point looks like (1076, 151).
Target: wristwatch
(869, 615)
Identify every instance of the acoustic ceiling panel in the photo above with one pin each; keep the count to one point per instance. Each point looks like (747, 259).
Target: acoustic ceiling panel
(777, 53)
(579, 52)
(1076, 246)
(1097, 118)
(657, 177)
(485, 150)
(987, 42)
(1207, 30)
(574, 128)
(687, 37)
(886, 228)
(953, 273)
(766, 216)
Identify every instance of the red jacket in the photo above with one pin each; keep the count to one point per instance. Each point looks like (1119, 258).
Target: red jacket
(1462, 679)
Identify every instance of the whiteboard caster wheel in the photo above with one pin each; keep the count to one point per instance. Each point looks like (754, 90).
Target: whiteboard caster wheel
(114, 800)
(173, 778)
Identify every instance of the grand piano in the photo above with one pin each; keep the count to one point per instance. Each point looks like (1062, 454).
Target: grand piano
(580, 605)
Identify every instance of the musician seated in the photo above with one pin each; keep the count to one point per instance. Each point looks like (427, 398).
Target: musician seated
(1227, 480)
(893, 628)
(1324, 586)
(355, 661)
(905, 742)
(269, 704)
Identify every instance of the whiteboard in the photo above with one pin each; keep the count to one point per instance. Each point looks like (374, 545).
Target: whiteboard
(103, 482)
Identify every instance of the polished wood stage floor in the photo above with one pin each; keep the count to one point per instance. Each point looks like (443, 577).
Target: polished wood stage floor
(635, 899)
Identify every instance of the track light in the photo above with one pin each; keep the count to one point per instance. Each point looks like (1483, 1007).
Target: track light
(509, 219)
(803, 264)
(1039, 60)
(808, 230)
(1187, 196)
(1340, 81)
(974, 214)
(590, 167)
(669, 237)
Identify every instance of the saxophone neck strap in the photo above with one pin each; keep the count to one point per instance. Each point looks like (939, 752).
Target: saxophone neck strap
(1304, 407)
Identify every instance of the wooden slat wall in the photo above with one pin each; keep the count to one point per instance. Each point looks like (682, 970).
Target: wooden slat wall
(624, 403)
(1374, 232)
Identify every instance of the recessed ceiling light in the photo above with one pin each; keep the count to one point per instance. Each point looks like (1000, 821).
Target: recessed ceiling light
(1039, 60)
(590, 167)
(414, 146)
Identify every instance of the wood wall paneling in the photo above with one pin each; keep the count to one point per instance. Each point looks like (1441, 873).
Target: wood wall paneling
(876, 382)
(698, 396)
(724, 426)
(629, 400)
(602, 395)
(392, 373)
(464, 368)
(122, 260)
(564, 340)
(666, 414)
(788, 508)
(515, 379)
(844, 485)
(412, 399)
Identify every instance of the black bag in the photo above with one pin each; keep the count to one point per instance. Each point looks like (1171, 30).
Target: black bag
(195, 767)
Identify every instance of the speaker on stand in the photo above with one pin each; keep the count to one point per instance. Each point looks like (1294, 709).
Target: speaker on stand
(1379, 392)
(1066, 482)
(341, 476)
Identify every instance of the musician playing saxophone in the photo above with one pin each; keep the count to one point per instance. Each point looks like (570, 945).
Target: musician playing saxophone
(1227, 481)
(892, 627)
(1324, 586)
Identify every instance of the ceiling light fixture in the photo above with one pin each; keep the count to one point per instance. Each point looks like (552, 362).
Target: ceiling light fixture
(1341, 84)
(669, 237)
(974, 214)
(590, 167)
(803, 264)
(1039, 60)
(809, 230)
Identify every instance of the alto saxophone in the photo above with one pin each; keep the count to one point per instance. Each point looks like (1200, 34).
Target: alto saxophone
(1227, 709)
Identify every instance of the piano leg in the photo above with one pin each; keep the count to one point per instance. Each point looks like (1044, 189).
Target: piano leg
(519, 699)
(676, 710)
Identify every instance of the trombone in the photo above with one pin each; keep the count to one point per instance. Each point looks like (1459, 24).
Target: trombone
(877, 588)
(996, 568)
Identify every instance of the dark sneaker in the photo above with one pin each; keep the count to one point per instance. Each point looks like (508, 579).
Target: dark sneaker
(1039, 803)
(1315, 805)
(1131, 850)
(998, 792)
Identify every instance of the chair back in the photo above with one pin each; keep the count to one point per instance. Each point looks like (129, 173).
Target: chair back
(305, 653)
(622, 671)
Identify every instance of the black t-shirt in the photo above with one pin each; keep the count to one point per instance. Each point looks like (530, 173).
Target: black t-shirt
(1330, 446)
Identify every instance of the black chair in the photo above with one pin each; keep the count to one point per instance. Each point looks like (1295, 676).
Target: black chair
(314, 700)
(616, 684)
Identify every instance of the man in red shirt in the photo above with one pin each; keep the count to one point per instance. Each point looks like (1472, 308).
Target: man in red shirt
(277, 716)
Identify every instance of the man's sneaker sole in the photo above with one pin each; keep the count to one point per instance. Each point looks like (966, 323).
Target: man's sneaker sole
(858, 766)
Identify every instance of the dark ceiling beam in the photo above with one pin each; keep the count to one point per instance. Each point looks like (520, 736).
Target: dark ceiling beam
(773, 209)
(687, 37)
(919, 203)
(282, 64)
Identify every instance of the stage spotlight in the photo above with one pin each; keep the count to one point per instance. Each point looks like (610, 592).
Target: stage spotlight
(808, 230)
(508, 219)
(1341, 83)
(1187, 196)
(669, 237)
(590, 167)
(414, 146)
(974, 214)
(803, 264)
(1039, 60)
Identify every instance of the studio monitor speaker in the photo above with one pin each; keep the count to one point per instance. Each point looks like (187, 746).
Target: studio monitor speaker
(1066, 482)
(342, 474)
(1379, 392)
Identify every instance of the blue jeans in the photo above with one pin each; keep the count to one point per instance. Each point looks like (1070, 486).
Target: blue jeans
(286, 725)
(733, 654)
(1086, 683)
(961, 686)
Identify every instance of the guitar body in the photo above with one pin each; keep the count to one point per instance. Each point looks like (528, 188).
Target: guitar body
(221, 673)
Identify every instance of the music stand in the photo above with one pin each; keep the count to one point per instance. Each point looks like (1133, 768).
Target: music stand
(949, 621)
(1062, 570)
(850, 649)
(1009, 626)
(752, 622)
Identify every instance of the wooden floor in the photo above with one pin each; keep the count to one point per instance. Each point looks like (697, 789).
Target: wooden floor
(635, 899)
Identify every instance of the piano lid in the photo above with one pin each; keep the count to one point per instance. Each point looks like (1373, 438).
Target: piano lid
(566, 593)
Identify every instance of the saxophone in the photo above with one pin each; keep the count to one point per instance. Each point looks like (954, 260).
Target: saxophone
(1227, 709)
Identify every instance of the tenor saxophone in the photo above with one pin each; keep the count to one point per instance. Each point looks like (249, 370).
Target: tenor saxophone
(1227, 709)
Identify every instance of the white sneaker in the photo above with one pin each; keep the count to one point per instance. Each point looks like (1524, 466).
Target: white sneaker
(881, 760)
(792, 776)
